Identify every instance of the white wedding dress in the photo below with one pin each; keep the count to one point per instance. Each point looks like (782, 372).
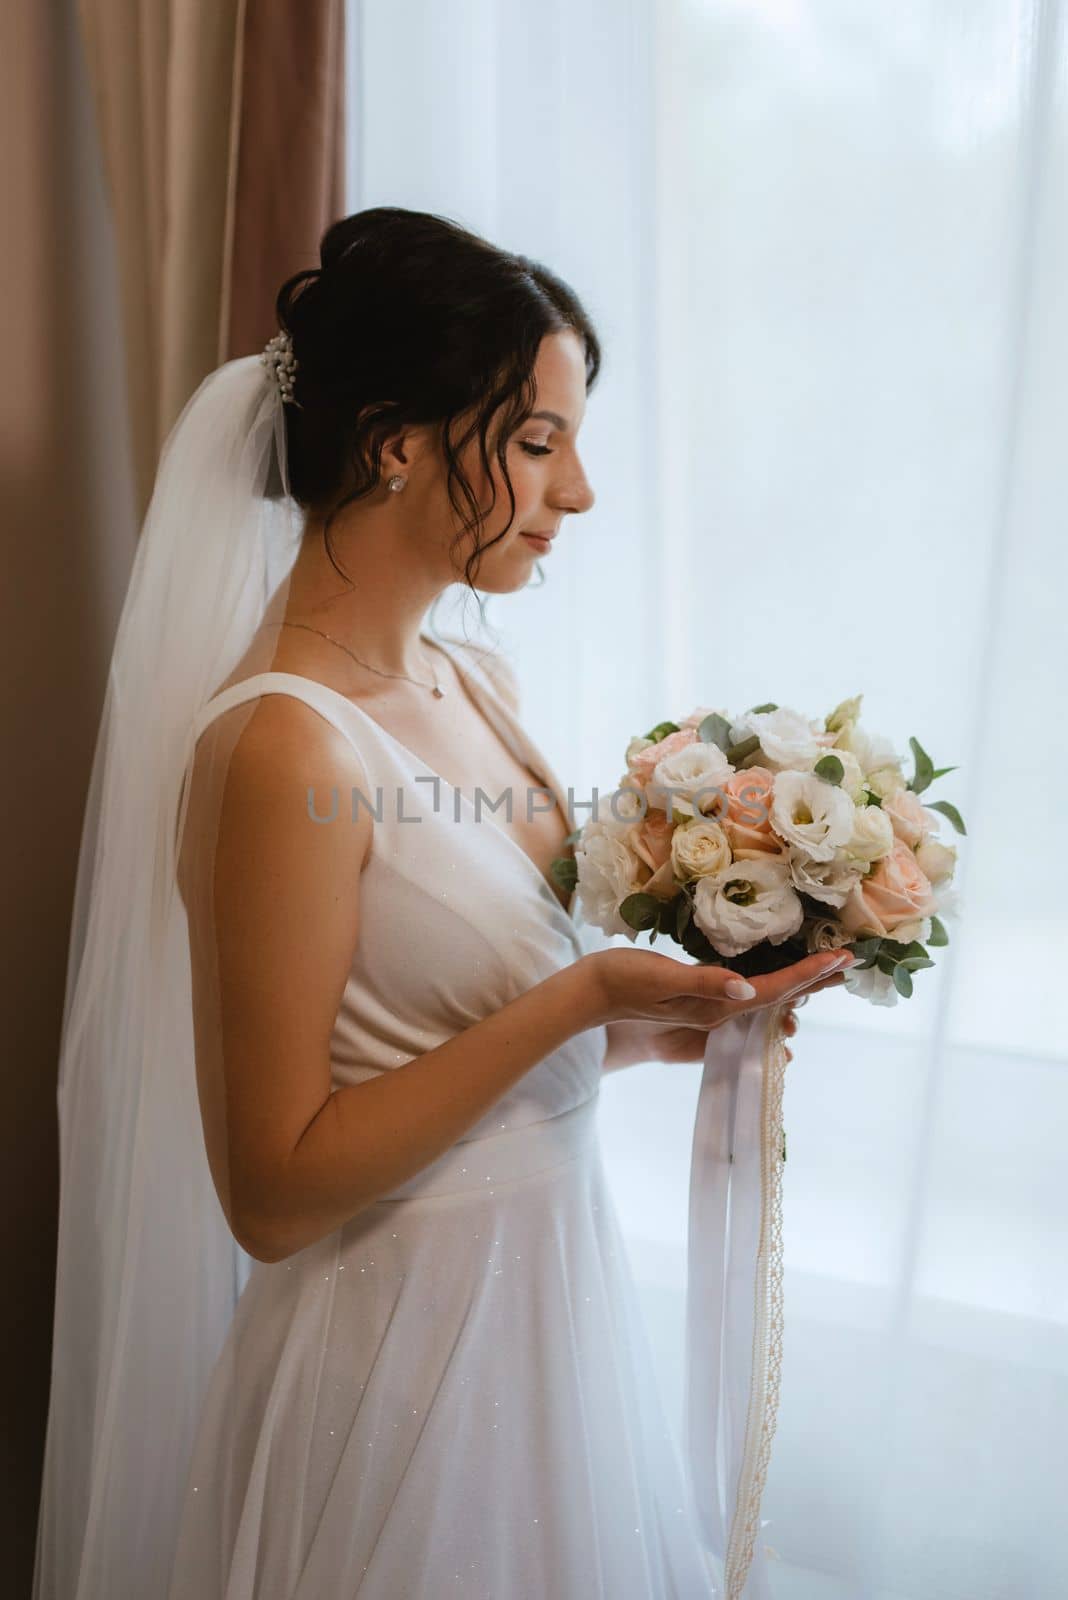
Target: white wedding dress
(452, 1394)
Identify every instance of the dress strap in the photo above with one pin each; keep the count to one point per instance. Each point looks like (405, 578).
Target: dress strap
(331, 706)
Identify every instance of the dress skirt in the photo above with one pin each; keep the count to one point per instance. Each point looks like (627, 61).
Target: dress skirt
(451, 1395)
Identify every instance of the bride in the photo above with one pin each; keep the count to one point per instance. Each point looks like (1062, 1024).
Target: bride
(343, 1306)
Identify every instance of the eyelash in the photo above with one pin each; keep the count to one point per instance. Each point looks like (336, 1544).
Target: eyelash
(534, 449)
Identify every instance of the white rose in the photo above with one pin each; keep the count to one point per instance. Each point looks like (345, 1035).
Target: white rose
(787, 739)
(699, 849)
(685, 773)
(872, 836)
(815, 816)
(830, 881)
(608, 871)
(919, 928)
(745, 903)
(936, 861)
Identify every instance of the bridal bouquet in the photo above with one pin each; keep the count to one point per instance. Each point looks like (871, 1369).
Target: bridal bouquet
(756, 841)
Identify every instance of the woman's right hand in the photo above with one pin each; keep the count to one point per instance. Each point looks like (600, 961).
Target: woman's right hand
(645, 985)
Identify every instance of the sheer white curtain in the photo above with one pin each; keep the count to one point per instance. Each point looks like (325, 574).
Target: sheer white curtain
(827, 249)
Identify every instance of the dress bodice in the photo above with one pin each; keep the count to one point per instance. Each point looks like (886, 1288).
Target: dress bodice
(456, 919)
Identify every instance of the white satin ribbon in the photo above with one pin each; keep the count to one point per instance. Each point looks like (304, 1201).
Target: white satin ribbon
(734, 1292)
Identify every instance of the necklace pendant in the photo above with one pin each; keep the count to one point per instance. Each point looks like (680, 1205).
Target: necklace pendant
(438, 692)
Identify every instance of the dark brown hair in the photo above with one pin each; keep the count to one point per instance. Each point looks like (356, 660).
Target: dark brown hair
(410, 318)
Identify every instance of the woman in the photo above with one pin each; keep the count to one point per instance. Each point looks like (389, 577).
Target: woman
(435, 1378)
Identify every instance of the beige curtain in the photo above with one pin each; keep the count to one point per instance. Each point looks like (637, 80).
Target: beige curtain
(222, 126)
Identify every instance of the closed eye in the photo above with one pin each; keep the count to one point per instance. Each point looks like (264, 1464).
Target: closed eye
(535, 449)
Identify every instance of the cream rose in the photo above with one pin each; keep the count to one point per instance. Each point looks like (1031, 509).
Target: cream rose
(699, 849)
(746, 903)
(872, 836)
(936, 861)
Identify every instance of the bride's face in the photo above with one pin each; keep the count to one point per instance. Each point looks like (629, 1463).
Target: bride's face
(548, 478)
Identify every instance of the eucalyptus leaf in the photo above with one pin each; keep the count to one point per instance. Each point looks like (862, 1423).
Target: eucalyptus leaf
(938, 934)
(756, 711)
(565, 871)
(738, 752)
(941, 772)
(903, 981)
(924, 768)
(716, 730)
(661, 731)
(683, 913)
(949, 811)
(830, 769)
(640, 910)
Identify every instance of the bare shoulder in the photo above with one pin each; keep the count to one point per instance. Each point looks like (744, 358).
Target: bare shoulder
(498, 668)
(270, 769)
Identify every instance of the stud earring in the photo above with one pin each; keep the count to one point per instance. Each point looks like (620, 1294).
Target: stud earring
(396, 483)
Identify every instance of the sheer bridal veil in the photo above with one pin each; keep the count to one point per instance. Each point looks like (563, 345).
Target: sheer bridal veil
(148, 1273)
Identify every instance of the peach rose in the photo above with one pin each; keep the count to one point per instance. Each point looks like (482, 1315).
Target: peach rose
(651, 839)
(895, 891)
(909, 817)
(644, 761)
(747, 818)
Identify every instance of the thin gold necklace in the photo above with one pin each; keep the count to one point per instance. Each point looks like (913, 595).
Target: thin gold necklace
(435, 687)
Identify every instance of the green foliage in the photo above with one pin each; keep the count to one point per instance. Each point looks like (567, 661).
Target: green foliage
(716, 730)
(738, 752)
(565, 870)
(830, 769)
(949, 811)
(640, 911)
(661, 731)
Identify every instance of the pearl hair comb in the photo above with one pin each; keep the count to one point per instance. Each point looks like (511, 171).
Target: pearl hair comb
(280, 361)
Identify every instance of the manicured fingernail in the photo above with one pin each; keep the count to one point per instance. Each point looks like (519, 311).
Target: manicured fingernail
(738, 989)
(845, 961)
